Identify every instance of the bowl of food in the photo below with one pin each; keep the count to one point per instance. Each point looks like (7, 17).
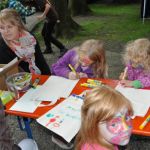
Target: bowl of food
(20, 81)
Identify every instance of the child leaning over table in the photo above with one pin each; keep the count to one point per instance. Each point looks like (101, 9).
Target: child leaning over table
(88, 60)
(105, 120)
(137, 61)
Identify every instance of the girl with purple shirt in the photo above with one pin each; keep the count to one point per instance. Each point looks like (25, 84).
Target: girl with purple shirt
(88, 60)
(105, 120)
(137, 60)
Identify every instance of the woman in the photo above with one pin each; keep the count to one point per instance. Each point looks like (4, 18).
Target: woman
(16, 41)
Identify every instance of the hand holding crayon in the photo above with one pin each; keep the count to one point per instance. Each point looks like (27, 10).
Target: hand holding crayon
(74, 72)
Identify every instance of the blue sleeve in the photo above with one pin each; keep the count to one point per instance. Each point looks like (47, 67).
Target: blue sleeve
(60, 68)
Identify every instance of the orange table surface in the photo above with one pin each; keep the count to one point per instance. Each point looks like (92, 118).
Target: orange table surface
(77, 90)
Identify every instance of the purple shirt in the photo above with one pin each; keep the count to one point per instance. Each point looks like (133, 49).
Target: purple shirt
(139, 74)
(60, 68)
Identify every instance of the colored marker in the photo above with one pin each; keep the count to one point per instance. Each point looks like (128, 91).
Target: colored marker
(145, 122)
(36, 81)
(88, 85)
(72, 69)
(95, 82)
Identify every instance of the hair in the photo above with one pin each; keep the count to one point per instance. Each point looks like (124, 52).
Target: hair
(138, 53)
(13, 17)
(94, 49)
(100, 104)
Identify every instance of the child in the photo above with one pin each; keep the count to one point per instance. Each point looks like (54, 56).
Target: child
(137, 60)
(51, 19)
(16, 41)
(21, 9)
(88, 60)
(105, 120)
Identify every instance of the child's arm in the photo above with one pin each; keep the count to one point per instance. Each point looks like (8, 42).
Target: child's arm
(61, 68)
(47, 8)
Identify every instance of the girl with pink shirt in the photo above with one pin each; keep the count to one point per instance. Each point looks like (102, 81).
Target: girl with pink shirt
(105, 120)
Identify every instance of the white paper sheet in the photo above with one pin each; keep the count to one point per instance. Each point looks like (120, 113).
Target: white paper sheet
(140, 99)
(25, 103)
(54, 88)
(65, 118)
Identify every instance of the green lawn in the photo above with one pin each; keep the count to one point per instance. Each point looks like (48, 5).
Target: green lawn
(112, 23)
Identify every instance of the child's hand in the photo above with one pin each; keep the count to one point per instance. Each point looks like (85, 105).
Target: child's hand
(126, 83)
(83, 75)
(72, 75)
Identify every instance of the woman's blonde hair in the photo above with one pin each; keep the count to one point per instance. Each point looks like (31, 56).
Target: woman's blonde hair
(138, 53)
(94, 49)
(100, 104)
(13, 17)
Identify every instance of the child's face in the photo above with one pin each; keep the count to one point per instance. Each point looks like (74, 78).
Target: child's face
(85, 61)
(118, 129)
(9, 31)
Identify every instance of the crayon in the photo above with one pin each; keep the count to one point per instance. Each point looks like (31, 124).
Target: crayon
(145, 122)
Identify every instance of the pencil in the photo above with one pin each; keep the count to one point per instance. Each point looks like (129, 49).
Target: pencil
(145, 122)
(124, 73)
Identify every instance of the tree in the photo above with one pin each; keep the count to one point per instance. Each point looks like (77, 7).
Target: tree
(67, 26)
(78, 7)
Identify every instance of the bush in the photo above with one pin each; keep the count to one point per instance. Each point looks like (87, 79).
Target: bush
(3, 4)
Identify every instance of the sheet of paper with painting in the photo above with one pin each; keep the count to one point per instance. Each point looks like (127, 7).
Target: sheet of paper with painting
(65, 118)
(54, 88)
(140, 99)
(25, 104)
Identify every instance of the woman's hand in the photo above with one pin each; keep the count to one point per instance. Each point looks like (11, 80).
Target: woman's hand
(126, 83)
(72, 75)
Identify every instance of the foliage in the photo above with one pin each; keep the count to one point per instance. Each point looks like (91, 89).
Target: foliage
(112, 23)
(3, 4)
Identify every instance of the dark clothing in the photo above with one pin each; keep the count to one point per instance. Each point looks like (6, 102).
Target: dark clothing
(48, 29)
(6, 142)
(147, 9)
(6, 55)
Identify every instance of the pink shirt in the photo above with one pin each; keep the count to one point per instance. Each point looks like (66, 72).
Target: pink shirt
(95, 147)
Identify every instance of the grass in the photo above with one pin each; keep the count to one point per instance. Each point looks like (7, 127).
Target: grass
(111, 23)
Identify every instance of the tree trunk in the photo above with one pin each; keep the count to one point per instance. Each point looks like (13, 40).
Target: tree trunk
(67, 26)
(78, 7)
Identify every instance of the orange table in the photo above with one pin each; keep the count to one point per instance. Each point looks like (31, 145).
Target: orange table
(77, 90)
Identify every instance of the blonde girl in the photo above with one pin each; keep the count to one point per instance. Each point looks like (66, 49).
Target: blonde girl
(137, 61)
(88, 60)
(105, 120)
(16, 41)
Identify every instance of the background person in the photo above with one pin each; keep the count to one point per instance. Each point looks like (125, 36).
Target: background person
(51, 19)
